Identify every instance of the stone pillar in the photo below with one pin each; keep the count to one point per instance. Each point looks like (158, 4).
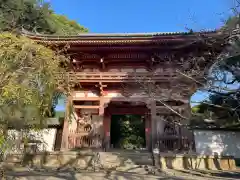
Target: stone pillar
(65, 132)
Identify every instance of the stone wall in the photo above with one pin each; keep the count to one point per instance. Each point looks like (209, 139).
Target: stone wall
(117, 160)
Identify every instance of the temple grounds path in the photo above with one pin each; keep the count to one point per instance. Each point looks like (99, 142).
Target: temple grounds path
(27, 174)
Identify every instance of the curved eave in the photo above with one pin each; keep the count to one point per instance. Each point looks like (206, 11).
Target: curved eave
(121, 39)
(110, 42)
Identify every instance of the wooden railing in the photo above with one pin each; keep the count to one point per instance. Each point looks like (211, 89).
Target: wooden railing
(84, 140)
(117, 76)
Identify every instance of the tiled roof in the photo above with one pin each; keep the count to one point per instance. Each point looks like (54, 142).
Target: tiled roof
(114, 35)
(119, 38)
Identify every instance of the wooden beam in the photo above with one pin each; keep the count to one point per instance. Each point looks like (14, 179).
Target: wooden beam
(163, 47)
(130, 110)
(85, 107)
(123, 80)
(173, 107)
(86, 98)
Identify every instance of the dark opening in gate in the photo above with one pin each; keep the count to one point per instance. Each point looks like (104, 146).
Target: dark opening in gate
(128, 131)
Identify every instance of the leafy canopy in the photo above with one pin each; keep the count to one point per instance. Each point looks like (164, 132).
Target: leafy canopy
(27, 79)
(35, 16)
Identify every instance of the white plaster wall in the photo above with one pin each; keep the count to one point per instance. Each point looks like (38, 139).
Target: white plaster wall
(210, 142)
(46, 136)
(49, 136)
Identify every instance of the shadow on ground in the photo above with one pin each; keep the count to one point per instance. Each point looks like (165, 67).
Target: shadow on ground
(69, 168)
(89, 175)
(216, 174)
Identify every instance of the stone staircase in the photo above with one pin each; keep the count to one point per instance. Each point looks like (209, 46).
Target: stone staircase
(84, 159)
(124, 158)
(126, 161)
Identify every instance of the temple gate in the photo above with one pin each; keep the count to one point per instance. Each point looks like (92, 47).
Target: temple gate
(129, 74)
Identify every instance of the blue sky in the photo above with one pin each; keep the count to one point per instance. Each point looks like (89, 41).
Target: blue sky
(105, 16)
(61, 104)
(126, 16)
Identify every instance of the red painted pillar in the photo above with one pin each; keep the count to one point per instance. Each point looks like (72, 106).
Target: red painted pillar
(148, 130)
(106, 126)
(65, 132)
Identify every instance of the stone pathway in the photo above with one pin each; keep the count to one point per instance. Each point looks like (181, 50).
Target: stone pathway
(126, 173)
(25, 174)
(207, 174)
(88, 176)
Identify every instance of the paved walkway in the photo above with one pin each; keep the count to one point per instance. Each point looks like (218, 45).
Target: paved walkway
(25, 174)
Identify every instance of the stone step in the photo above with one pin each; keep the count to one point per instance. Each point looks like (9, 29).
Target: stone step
(118, 159)
(126, 158)
(84, 159)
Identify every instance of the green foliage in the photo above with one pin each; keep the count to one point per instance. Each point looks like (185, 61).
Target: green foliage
(4, 144)
(231, 66)
(195, 109)
(231, 23)
(128, 131)
(35, 16)
(222, 109)
(27, 80)
(60, 24)
(223, 106)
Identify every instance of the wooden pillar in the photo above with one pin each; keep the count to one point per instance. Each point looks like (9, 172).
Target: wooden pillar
(148, 130)
(65, 133)
(106, 130)
(153, 131)
(101, 106)
(160, 124)
(185, 132)
(153, 122)
(106, 117)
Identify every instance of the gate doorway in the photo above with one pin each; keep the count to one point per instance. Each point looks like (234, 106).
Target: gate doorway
(128, 132)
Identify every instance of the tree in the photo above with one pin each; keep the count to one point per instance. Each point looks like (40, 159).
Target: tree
(28, 86)
(221, 80)
(62, 25)
(28, 83)
(222, 106)
(35, 16)
(221, 110)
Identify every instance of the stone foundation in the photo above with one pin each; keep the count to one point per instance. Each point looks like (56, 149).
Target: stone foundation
(105, 160)
(196, 162)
